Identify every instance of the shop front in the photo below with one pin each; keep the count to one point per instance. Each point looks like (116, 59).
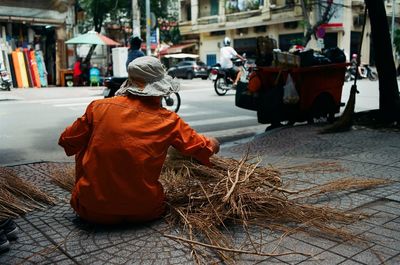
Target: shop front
(32, 42)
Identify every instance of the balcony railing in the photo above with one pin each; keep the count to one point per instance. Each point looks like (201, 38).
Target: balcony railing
(281, 9)
(207, 20)
(243, 15)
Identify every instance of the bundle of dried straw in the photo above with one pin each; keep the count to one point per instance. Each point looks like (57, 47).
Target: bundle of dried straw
(204, 202)
(18, 196)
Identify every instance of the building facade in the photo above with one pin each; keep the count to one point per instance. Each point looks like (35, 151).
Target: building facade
(209, 21)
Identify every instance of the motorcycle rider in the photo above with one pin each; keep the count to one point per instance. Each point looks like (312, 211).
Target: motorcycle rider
(354, 61)
(226, 54)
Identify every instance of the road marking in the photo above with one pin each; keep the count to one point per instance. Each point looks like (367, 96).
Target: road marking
(54, 100)
(185, 107)
(221, 120)
(71, 104)
(197, 113)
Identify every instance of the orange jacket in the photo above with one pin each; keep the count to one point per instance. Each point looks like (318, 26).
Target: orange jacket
(120, 145)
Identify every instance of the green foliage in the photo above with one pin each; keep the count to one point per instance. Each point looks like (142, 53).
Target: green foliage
(97, 11)
(119, 12)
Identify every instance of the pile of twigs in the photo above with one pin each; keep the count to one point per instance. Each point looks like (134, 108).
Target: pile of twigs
(205, 202)
(18, 197)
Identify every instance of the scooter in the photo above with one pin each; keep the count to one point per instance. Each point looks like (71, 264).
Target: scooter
(5, 81)
(223, 82)
(366, 72)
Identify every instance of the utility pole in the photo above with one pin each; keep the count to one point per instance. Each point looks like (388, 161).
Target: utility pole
(135, 18)
(148, 22)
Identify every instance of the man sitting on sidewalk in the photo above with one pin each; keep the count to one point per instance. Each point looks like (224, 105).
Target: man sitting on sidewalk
(120, 145)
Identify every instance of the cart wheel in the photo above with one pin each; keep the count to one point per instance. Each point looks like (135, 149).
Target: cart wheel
(324, 107)
(310, 120)
(331, 117)
(290, 122)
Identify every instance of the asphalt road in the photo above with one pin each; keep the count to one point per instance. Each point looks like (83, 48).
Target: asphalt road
(32, 119)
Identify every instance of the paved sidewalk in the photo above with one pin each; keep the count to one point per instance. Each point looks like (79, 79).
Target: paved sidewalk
(55, 236)
(51, 93)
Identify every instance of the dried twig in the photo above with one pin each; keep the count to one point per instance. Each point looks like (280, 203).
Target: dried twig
(236, 250)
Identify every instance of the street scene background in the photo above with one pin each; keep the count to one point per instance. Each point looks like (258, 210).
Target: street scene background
(57, 56)
(32, 119)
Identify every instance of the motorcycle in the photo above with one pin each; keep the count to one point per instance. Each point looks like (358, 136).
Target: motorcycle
(366, 72)
(5, 80)
(223, 81)
(171, 102)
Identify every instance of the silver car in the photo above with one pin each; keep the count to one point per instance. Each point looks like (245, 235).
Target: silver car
(189, 70)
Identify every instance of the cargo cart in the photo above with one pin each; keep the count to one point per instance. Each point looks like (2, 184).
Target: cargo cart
(319, 89)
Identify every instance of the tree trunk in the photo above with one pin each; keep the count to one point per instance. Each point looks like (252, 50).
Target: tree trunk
(389, 101)
(90, 53)
(311, 29)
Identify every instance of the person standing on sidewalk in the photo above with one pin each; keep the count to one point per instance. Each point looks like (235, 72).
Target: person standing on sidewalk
(134, 50)
(120, 145)
(77, 72)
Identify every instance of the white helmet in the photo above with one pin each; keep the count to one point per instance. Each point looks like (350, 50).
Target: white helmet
(227, 41)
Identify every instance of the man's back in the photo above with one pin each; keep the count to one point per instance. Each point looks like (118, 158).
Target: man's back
(226, 54)
(123, 159)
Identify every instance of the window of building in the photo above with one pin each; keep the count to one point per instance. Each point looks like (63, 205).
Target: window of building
(290, 25)
(242, 31)
(217, 33)
(188, 8)
(260, 29)
(289, 3)
(214, 7)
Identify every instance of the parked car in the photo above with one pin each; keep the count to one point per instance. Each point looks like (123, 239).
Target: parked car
(189, 70)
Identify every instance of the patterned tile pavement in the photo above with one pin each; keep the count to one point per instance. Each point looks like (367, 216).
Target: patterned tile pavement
(55, 236)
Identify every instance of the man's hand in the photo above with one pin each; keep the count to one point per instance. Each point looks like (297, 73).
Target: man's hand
(241, 57)
(215, 144)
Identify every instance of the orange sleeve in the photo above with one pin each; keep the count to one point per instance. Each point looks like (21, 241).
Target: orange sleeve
(190, 143)
(76, 136)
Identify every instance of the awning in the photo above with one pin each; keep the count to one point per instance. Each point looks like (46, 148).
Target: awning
(92, 37)
(33, 21)
(153, 46)
(176, 48)
(332, 25)
(181, 55)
